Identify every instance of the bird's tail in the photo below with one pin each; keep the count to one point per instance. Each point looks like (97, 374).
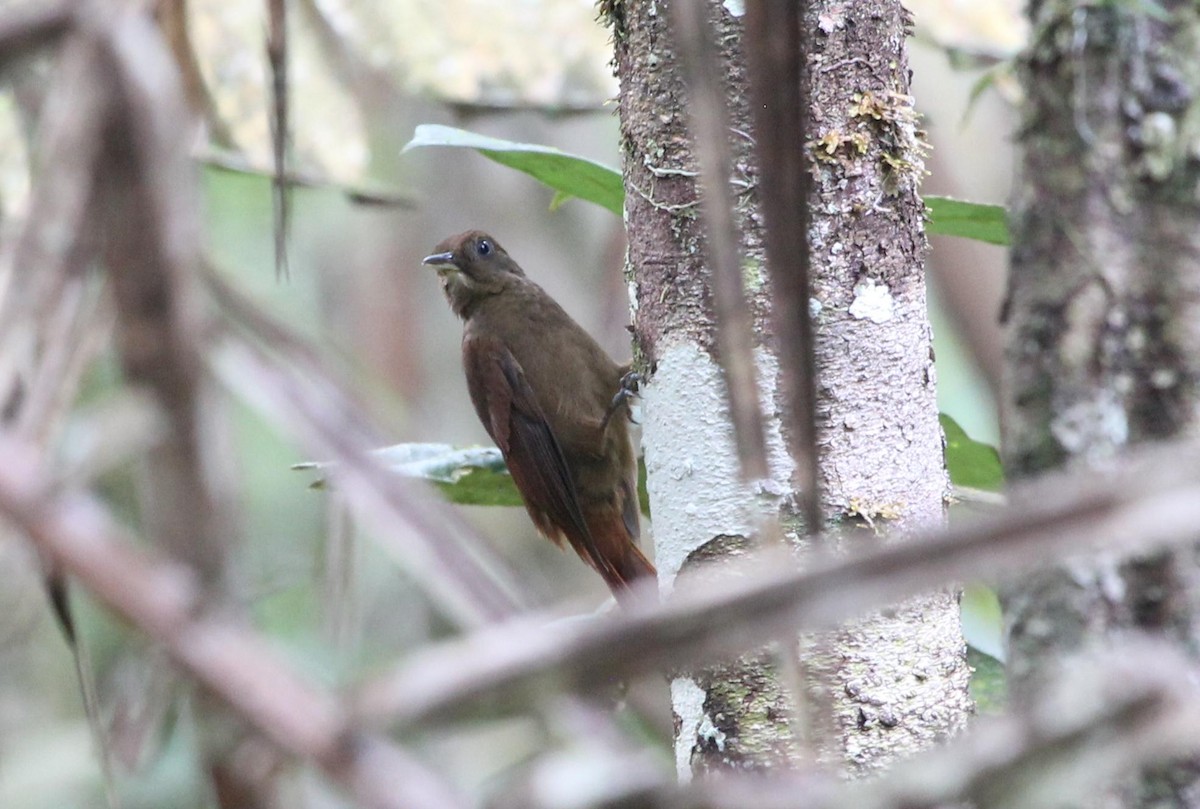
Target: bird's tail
(634, 567)
(620, 561)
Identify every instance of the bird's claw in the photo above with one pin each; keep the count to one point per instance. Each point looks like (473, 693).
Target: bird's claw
(629, 385)
(628, 389)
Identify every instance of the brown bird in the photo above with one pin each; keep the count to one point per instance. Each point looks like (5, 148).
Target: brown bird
(554, 403)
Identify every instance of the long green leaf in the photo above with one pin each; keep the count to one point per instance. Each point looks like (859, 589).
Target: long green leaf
(568, 174)
(574, 176)
(971, 220)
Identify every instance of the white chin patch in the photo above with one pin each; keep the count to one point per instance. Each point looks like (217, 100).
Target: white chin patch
(452, 278)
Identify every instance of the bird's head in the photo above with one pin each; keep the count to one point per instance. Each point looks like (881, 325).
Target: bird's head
(471, 266)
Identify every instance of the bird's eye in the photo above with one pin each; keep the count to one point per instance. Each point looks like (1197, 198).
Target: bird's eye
(484, 248)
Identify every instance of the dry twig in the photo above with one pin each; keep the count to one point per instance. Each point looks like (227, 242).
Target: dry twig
(277, 58)
(734, 323)
(775, 56)
(1147, 500)
(164, 600)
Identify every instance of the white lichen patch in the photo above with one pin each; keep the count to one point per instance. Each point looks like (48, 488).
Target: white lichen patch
(687, 700)
(1097, 425)
(1086, 313)
(1159, 135)
(633, 297)
(711, 733)
(696, 491)
(736, 8)
(1102, 571)
(872, 301)
(1163, 378)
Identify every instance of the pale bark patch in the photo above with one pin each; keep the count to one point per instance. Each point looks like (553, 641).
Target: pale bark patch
(696, 493)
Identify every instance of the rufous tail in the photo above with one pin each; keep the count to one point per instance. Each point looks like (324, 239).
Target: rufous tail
(622, 563)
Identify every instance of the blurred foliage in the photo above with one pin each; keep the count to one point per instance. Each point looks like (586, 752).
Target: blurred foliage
(53, 766)
(983, 622)
(989, 688)
(995, 29)
(472, 52)
(462, 51)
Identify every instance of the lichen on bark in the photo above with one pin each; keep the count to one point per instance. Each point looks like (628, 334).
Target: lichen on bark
(1103, 341)
(896, 681)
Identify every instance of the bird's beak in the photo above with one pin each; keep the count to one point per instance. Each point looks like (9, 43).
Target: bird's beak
(442, 261)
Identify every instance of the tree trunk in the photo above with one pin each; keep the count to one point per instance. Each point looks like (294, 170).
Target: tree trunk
(896, 681)
(1103, 344)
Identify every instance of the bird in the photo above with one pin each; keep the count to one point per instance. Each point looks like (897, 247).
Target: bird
(555, 404)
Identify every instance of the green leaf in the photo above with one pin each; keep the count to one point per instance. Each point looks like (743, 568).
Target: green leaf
(983, 620)
(971, 220)
(472, 476)
(567, 174)
(559, 199)
(643, 495)
(989, 685)
(972, 464)
(574, 176)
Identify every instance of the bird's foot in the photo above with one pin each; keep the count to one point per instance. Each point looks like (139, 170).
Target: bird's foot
(627, 390)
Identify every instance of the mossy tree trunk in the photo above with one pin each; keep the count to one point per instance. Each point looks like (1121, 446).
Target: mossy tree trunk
(896, 681)
(1103, 314)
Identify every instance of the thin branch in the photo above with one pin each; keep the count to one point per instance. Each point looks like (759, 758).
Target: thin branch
(53, 325)
(486, 106)
(79, 328)
(32, 27)
(172, 17)
(1151, 499)
(362, 194)
(338, 577)
(448, 559)
(53, 244)
(775, 52)
(277, 58)
(734, 323)
(164, 600)
(439, 561)
(148, 204)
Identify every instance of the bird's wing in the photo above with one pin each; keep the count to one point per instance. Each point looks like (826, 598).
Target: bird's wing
(510, 413)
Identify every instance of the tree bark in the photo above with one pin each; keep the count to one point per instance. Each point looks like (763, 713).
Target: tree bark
(896, 681)
(1103, 346)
